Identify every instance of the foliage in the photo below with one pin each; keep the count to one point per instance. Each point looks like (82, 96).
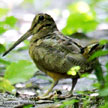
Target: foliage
(69, 102)
(5, 62)
(28, 1)
(104, 91)
(28, 106)
(81, 18)
(11, 21)
(2, 48)
(7, 24)
(103, 42)
(103, 88)
(5, 86)
(98, 54)
(15, 72)
(73, 71)
(20, 71)
(105, 106)
(2, 61)
(3, 11)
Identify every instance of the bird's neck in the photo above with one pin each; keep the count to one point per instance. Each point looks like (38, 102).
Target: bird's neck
(43, 33)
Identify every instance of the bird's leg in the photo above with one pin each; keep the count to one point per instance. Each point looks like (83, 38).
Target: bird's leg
(74, 81)
(46, 95)
(50, 89)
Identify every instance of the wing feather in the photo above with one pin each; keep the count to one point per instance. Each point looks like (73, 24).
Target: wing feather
(58, 55)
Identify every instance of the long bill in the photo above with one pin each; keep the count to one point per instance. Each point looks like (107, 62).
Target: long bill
(22, 38)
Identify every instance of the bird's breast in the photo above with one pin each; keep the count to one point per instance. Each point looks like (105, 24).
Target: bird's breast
(34, 49)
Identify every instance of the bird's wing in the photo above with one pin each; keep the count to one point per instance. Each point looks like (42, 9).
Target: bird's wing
(57, 54)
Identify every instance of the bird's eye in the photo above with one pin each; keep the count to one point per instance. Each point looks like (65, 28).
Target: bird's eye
(41, 18)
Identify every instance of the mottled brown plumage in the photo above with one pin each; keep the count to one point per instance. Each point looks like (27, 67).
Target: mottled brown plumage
(54, 53)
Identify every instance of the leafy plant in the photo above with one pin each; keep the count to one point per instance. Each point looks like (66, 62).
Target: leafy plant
(2, 48)
(5, 86)
(69, 102)
(81, 18)
(2, 61)
(8, 23)
(3, 11)
(74, 70)
(28, 106)
(11, 21)
(99, 53)
(103, 90)
(20, 71)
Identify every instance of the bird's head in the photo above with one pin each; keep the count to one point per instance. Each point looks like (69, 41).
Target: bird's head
(42, 24)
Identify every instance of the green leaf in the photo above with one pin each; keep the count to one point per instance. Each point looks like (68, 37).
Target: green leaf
(2, 30)
(81, 18)
(11, 21)
(8, 23)
(2, 61)
(28, 1)
(84, 75)
(106, 77)
(96, 85)
(98, 54)
(106, 19)
(28, 106)
(73, 71)
(20, 71)
(99, 74)
(5, 85)
(69, 102)
(104, 92)
(103, 42)
(3, 11)
(2, 48)
(107, 66)
(104, 106)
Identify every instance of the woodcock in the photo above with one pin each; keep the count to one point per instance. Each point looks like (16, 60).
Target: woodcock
(54, 53)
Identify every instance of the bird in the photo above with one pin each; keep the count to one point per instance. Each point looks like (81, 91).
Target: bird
(55, 54)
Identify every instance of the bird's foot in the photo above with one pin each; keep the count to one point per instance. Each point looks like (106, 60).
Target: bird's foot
(53, 96)
(42, 97)
(65, 96)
